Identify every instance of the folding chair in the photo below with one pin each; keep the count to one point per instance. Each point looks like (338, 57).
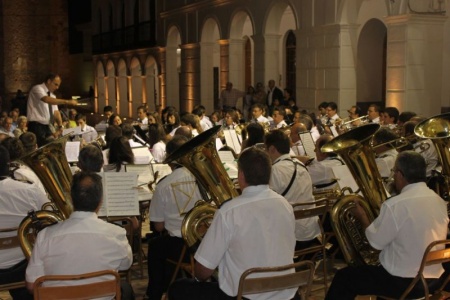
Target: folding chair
(9, 243)
(314, 209)
(276, 279)
(103, 288)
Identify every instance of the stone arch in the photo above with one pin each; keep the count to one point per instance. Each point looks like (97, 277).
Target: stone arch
(371, 63)
(281, 19)
(173, 64)
(209, 63)
(136, 95)
(152, 83)
(121, 106)
(242, 26)
(111, 89)
(101, 87)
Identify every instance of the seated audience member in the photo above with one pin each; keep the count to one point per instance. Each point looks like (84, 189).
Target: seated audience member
(157, 141)
(386, 154)
(406, 225)
(83, 243)
(21, 128)
(291, 179)
(90, 159)
(88, 133)
(29, 142)
(174, 195)
(120, 154)
(6, 126)
(16, 199)
(245, 233)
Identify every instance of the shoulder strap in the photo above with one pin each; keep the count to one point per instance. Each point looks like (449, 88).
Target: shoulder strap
(292, 178)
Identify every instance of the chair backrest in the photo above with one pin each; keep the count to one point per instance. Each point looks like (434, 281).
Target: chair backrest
(9, 242)
(302, 277)
(104, 288)
(317, 208)
(431, 257)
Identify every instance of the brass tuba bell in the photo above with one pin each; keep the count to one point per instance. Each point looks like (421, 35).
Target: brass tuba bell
(437, 129)
(354, 148)
(199, 155)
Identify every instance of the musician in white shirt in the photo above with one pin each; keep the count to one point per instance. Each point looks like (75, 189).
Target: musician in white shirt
(88, 133)
(278, 116)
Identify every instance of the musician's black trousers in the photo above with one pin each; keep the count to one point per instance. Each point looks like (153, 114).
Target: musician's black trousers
(373, 280)
(159, 271)
(189, 289)
(41, 131)
(15, 274)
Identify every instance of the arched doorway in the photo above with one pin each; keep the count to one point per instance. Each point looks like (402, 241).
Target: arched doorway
(136, 86)
(122, 106)
(152, 83)
(101, 99)
(371, 64)
(111, 84)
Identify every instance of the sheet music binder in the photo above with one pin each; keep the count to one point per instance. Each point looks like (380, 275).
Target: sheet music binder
(308, 143)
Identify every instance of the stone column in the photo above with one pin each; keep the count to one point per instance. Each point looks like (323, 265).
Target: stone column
(162, 77)
(272, 64)
(224, 63)
(207, 75)
(144, 90)
(236, 67)
(415, 63)
(259, 58)
(190, 76)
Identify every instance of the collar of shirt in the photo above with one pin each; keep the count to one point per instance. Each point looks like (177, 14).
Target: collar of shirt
(281, 157)
(83, 215)
(254, 189)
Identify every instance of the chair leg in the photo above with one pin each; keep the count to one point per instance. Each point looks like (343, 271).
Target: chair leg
(180, 260)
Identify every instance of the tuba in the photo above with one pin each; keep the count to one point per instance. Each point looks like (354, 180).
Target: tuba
(50, 165)
(354, 148)
(437, 129)
(200, 157)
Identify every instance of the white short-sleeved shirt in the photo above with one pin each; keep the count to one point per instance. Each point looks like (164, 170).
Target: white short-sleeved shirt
(174, 195)
(281, 124)
(321, 172)
(386, 161)
(255, 229)
(298, 148)
(16, 199)
(430, 155)
(88, 133)
(24, 173)
(37, 110)
(81, 244)
(407, 224)
(299, 192)
(159, 151)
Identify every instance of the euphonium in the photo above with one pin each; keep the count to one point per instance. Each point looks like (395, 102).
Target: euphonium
(200, 157)
(437, 129)
(354, 148)
(50, 165)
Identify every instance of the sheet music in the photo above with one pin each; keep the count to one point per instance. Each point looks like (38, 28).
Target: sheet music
(232, 140)
(345, 177)
(308, 143)
(145, 176)
(219, 144)
(72, 151)
(162, 169)
(334, 131)
(120, 196)
(229, 163)
(142, 155)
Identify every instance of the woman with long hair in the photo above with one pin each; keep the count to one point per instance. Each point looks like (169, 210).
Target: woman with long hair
(157, 141)
(120, 153)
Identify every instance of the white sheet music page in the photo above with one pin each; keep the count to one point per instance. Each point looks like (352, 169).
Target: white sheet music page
(334, 131)
(232, 140)
(142, 155)
(229, 163)
(120, 195)
(345, 177)
(145, 176)
(162, 169)
(72, 151)
(308, 143)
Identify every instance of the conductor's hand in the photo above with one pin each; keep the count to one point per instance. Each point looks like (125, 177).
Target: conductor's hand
(72, 102)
